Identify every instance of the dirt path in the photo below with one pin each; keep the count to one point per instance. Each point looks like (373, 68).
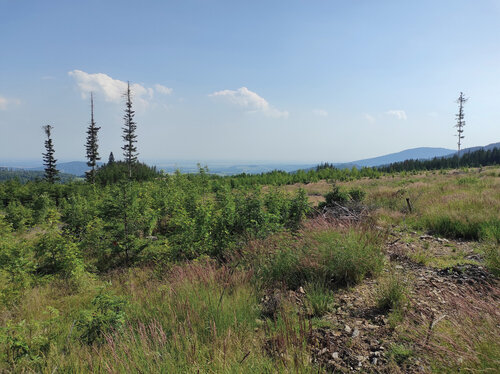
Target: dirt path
(453, 311)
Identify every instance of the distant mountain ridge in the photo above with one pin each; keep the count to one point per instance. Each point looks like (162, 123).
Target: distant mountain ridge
(473, 149)
(421, 153)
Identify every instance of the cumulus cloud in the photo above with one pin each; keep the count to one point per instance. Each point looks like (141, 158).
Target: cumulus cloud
(369, 118)
(398, 113)
(163, 90)
(320, 112)
(113, 89)
(6, 103)
(245, 98)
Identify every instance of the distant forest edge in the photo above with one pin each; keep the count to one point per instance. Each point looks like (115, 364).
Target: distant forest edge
(23, 175)
(478, 158)
(326, 171)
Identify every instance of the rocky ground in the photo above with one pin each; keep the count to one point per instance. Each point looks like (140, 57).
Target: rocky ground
(448, 287)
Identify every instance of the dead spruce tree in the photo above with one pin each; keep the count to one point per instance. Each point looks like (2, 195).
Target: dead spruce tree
(91, 146)
(460, 122)
(51, 172)
(129, 136)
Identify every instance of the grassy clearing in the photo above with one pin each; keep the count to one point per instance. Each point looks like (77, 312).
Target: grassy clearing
(451, 204)
(207, 317)
(200, 317)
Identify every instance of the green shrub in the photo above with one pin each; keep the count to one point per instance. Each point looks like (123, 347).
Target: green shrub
(356, 194)
(299, 207)
(41, 205)
(77, 211)
(96, 245)
(336, 196)
(56, 254)
(157, 253)
(23, 347)
(18, 215)
(16, 268)
(106, 315)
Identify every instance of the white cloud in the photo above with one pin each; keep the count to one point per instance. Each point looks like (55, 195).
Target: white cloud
(113, 89)
(253, 102)
(320, 112)
(369, 118)
(163, 90)
(6, 103)
(398, 113)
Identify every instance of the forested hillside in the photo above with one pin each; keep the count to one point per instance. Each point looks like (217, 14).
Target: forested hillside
(470, 159)
(24, 176)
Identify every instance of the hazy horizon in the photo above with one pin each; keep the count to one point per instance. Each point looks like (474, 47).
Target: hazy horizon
(185, 162)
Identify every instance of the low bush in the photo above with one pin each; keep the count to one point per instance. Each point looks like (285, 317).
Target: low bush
(106, 315)
(18, 215)
(357, 194)
(56, 254)
(336, 196)
(343, 197)
(23, 347)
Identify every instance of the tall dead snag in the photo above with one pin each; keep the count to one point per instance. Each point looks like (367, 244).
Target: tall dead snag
(460, 122)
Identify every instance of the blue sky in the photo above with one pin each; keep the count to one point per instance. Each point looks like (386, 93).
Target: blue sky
(304, 81)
